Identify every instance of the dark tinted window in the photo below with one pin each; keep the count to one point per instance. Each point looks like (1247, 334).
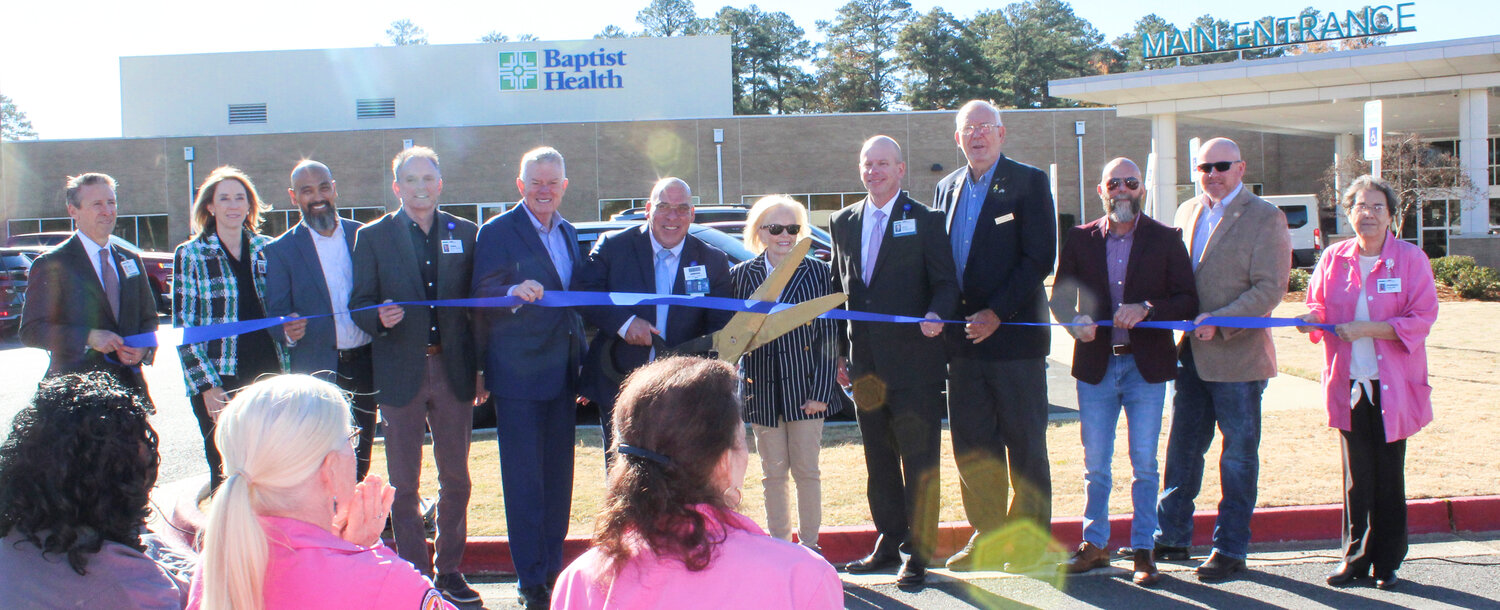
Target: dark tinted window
(1296, 215)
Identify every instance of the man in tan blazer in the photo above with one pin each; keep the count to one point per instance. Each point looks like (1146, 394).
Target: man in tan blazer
(1241, 254)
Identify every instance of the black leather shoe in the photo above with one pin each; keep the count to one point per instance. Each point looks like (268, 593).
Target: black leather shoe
(1163, 552)
(1346, 575)
(1386, 580)
(913, 574)
(874, 562)
(536, 596)
(455, 588)
(1219, 567)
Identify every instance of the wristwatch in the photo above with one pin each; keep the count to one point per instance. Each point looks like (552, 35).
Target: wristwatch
(1149, 309)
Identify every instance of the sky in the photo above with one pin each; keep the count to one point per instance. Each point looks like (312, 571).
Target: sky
(59, 61)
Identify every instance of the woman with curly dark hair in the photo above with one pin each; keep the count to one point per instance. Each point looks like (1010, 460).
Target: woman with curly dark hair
(75, 476)
(669, 536)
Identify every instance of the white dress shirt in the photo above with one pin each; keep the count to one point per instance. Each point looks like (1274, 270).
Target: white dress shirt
(338, 275)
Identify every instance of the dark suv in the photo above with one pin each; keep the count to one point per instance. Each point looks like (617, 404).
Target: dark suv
(15, 267)
(158, 264)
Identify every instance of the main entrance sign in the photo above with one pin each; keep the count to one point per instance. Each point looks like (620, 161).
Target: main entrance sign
(1313, 26)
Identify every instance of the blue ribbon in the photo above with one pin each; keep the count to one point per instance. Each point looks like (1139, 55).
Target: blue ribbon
(174, 336)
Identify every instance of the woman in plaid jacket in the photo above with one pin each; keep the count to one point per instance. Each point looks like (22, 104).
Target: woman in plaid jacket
(218, 277)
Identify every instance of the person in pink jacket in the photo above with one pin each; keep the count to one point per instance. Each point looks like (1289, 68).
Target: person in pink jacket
(669, 536)
(289, 528)
(1378, 291)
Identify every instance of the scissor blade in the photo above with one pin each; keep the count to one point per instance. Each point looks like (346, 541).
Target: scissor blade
(782, 322)
(732, 341)
(770, 290)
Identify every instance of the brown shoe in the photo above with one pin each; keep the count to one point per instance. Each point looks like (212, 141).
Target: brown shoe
(1086, 558)
(1145, 569)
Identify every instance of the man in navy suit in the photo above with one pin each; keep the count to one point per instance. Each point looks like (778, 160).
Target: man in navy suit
(532, 355)
(1002, 228)
(890, 256)
(660, 257)
(86, 295)
(310, 271)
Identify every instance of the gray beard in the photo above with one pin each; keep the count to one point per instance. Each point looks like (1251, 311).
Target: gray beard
(1124, 213)
(323, 222)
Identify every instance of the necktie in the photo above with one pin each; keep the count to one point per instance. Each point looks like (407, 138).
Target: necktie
(877, 233)
(111, 281)
(666, 271)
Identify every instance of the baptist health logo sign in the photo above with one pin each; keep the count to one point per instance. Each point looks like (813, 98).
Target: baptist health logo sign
(519, 71)
(553, 70)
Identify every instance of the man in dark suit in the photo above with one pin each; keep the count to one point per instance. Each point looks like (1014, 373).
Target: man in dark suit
(1002, 230)
(85, 295)
(890, 256)
(1124, 267)
(310, 271)
(532, 355)
(425, 374)
(659, 257)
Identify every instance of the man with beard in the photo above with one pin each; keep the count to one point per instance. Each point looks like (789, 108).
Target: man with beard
(1126, 268)
(310, 271)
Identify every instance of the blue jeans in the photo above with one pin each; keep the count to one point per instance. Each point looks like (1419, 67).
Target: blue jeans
(1098, 412)
(1197, 406)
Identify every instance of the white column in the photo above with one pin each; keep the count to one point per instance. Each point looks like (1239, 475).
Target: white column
(1344, 145)
(1473, 156)
(1164, 173)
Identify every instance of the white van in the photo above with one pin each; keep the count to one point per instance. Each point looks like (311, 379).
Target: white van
(1302, 222)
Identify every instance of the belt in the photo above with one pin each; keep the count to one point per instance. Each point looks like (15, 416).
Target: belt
(433, 350)
(1121, 350)
(353, 353)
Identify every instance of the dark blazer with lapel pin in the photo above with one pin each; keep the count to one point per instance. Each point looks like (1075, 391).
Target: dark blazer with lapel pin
(623, 262)
(1158, 271)
(295, 283)
(65, 300)
(913, 275)
(385, 267)
(1015, 244)
(534, 352)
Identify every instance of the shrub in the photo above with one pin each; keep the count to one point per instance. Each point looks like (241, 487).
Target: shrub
(1447, 268)
(1297, 281)
(1477, 282)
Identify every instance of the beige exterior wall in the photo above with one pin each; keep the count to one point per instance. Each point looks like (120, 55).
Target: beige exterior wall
(761, 154)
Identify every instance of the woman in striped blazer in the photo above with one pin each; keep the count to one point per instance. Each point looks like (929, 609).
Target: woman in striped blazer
(219, 276)
(789, 381)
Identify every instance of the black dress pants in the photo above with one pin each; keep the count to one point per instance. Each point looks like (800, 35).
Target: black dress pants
(1374, 490)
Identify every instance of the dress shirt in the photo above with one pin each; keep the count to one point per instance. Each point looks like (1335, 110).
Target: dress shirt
(970, 203)
(93, 250)
(424, 244)
(338, 275)
(1117, 261)
(556, 243)
(888, 209)
(1208, 220)
(676, 261)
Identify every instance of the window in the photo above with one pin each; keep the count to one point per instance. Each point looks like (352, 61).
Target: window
(476, 213)
(820, 206)
(382, 108)
(247, 113)
(1296, 215)
(278, 221)
(146, 231)
(609, 207)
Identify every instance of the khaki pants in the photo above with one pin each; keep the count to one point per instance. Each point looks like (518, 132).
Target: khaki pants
(792, 447)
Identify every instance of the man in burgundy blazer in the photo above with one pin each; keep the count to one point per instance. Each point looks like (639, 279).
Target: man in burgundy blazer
(1126, 268)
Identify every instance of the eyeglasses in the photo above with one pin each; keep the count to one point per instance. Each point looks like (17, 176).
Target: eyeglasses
(354, 437)
(777, 229)
(1372, 208)
(1218, 166)
(969, 130)
(682, 209)
(1130, 183)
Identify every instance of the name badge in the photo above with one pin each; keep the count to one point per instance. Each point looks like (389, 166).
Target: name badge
(696, 280)
(1000, 220)
(453, 246)
(906, 227)
(131, 270)
(260, 266)
(1388, 285)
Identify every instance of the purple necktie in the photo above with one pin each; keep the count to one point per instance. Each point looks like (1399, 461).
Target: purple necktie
(111, 281)
(877, 233)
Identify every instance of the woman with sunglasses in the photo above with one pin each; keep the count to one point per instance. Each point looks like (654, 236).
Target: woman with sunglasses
(289, 528)
(789, 382)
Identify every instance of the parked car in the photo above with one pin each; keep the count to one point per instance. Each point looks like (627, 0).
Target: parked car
(701, 213)
(158, 264)
(1302, 224)
(15, 267)
(590, 232)
(822, 247)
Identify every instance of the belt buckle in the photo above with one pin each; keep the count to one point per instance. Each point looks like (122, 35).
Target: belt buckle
(1121, 350)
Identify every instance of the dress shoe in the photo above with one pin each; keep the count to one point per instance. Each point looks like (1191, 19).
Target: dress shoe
(455, 588)
(1346, 575)
(1163, 552)
(536, 596)
(1086, 558)
(913, 574)
(1219, 567)
(967, 559)
(1385, 580)
(1145, 573)
(876, 561)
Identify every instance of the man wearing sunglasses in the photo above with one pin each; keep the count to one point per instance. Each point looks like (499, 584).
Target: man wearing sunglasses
(1002, 228)
(1241, 255)
(1127, 268)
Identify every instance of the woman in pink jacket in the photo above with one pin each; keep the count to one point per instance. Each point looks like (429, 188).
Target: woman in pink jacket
(1378, 291)
(668, 536)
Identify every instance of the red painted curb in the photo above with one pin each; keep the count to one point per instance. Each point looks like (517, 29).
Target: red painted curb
(1475, 513)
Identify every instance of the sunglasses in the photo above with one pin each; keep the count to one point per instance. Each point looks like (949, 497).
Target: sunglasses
(1130, 183)
(1219, 166)
(777, 229)
(354, 437)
